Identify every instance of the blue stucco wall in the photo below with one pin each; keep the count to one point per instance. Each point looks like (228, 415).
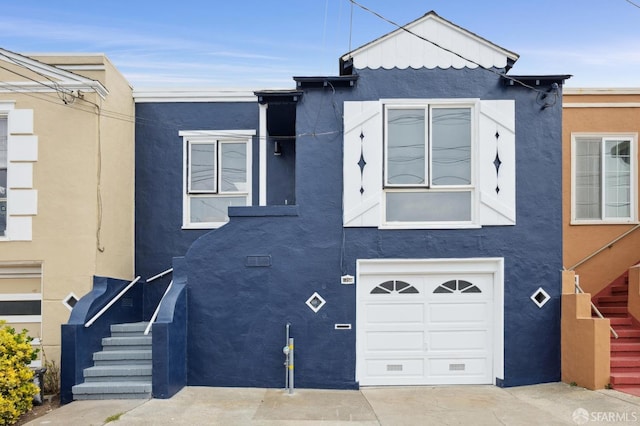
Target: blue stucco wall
(79, 343)
(170, 337)
(158, 187)
(237, 312)
(532, 249)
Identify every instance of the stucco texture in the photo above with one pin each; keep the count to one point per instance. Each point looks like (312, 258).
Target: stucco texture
(237, 313)
(609, 112)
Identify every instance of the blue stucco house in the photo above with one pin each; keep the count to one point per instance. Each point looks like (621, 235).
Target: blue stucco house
(400, 220)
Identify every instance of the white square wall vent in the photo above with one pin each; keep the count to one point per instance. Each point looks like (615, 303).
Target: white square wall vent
(315, 302)
(540, 297)
(70, 301)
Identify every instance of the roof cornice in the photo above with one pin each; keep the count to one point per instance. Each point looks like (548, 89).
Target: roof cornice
(194, 95)
(64, 79)
(602, 91)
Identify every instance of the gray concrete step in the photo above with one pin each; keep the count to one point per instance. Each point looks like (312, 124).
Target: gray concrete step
(130, 329)
(124, 357)
(129, 343)
(112, 390)
(123, 369)
(118, 373)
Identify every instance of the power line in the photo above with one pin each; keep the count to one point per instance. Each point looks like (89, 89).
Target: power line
(404, 28)
(632, 3)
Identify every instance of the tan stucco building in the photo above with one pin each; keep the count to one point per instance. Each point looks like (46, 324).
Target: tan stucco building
(66, 185)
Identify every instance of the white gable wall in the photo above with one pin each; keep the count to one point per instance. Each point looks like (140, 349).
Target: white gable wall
(402, 49)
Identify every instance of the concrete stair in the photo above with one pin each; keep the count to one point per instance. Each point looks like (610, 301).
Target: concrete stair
(625, 350)
(122, 370)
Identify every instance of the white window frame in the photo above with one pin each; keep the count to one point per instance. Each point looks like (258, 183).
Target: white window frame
(216, 137)
(633, 213)
(22, 155)
(4, 114)
(427, 187)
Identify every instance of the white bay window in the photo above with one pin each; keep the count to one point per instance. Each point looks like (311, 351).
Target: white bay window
(429, 163)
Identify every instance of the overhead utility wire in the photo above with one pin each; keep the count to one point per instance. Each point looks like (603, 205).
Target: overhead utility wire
(136, 119)
(632, 3)
(61, 92)
(401, 27)
(115, 114)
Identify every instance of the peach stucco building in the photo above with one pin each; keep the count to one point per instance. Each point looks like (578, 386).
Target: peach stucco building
(66, 185)
(601, 233)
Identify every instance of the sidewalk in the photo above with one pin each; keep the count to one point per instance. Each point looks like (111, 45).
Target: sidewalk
(546, 404)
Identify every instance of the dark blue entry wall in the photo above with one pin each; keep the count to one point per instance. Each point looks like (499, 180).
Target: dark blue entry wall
(250, 278)
(159, 179)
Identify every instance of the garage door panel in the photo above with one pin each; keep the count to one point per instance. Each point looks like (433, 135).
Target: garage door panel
(440, 332)
(393, 313)
(395, 368)
(460, 341)
(458, 370)
(395, 341)
(457, 313)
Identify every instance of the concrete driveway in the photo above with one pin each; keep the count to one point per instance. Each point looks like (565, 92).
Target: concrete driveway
(546, 404)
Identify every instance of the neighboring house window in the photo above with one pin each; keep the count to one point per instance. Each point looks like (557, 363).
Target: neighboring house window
(3, 174)
(604, 183)
(18, 156)
(217, 175)
(428, 167)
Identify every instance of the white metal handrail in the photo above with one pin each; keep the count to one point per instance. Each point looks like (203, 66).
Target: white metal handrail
(155, 313)
(160, 275)
(594, 307)
(114, 300)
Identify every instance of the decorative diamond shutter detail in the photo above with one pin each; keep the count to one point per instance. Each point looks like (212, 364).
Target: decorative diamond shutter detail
(362, 163)
(497, 163)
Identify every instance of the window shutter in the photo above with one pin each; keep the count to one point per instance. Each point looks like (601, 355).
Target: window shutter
(362, 163)
(497, 163)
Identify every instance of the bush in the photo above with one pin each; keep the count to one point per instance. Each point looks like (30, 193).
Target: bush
(16, 378)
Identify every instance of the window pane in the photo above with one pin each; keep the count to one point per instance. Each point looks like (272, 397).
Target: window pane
(617, 178)
(428, 206)
(214, 208)
(451, 146)
(234, 167)
(587, 180)
(405, 146)
(202, 167)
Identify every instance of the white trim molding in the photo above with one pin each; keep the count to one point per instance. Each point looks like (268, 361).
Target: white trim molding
(601, 91)
(194, 95)
(601, 105)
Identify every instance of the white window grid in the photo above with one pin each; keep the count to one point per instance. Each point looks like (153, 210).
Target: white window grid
(633, 200)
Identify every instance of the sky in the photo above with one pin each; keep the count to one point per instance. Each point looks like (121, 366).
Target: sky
(262, 44)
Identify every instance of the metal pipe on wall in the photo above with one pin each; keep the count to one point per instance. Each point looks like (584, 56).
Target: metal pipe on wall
(285, 350)
(291, 365)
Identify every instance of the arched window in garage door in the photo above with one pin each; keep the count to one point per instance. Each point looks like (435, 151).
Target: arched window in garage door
(457, 286)
(394, 286)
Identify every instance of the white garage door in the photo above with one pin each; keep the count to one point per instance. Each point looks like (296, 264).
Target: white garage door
(427, 328)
